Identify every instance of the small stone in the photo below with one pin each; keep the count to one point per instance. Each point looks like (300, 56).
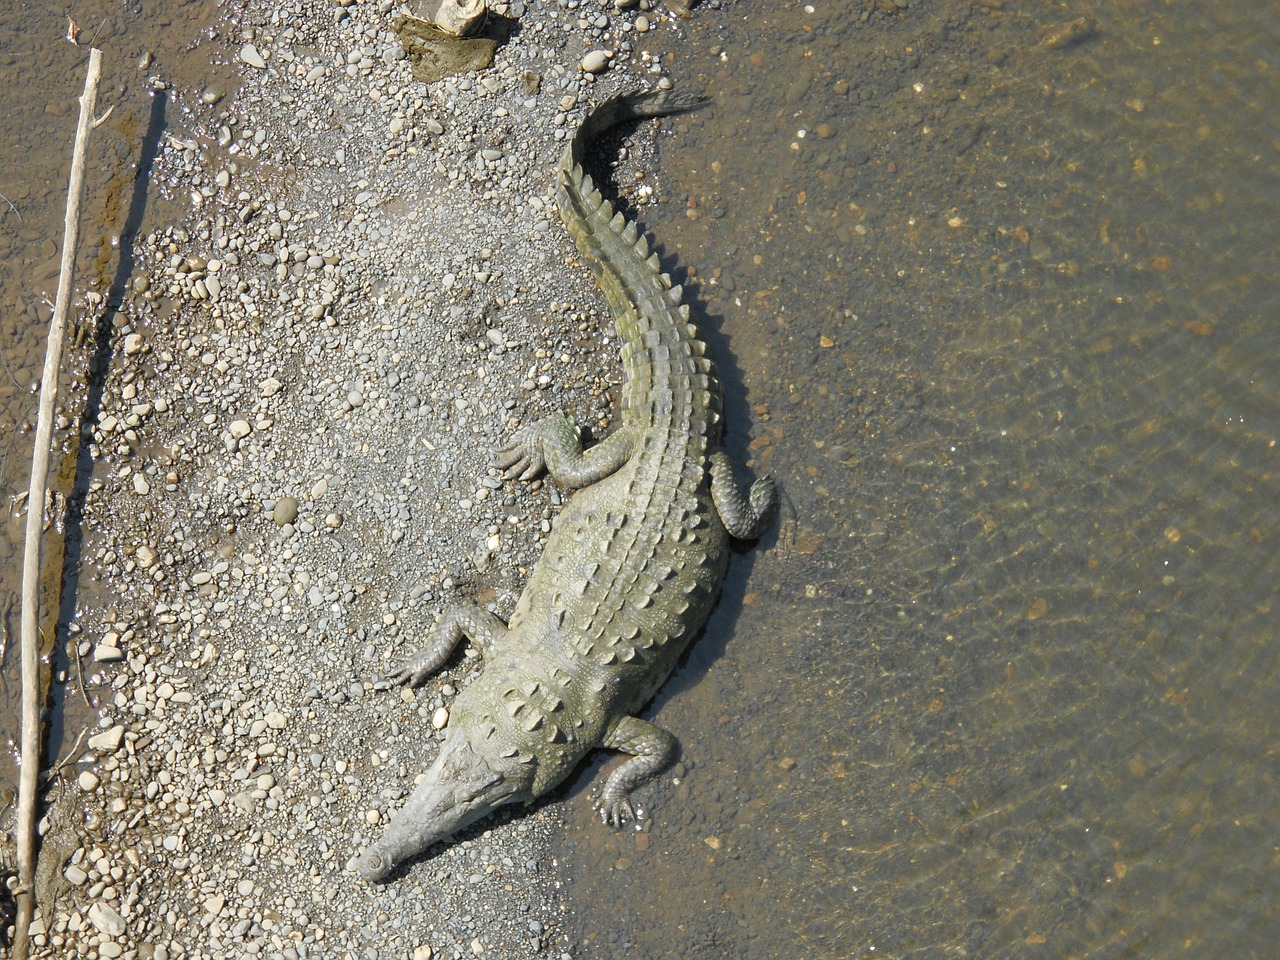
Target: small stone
(319, 489)
(108, 741)
(239, 429)
(145, 556)
(333, 521)
(596, 61)
(106, 919)
(75, 875)
(286, 511)
(105, 654)
(250, 55)
(440, 718)
(140, 485)
(642, 24)
(270, 387)
(133, 344)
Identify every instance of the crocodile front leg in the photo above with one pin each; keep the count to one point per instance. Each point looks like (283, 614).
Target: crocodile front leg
(653, 751)
(744, 517)
(556, 444)
(461, 620)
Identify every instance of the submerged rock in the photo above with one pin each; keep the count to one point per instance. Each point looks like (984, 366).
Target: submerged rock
(435, 54)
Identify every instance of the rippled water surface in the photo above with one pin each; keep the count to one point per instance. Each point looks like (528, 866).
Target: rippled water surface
(998, 309)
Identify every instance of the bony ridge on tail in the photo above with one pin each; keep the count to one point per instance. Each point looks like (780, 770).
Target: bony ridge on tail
(631, 569)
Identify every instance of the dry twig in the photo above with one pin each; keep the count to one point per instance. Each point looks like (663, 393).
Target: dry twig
(30, 778)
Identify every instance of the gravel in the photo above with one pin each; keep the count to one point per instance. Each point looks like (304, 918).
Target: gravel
(308, 379)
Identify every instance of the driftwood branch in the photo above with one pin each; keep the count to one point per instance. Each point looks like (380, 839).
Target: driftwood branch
(31, 733)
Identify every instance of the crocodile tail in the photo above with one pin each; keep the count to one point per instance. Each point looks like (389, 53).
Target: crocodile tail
(659, 343)
(623, 107)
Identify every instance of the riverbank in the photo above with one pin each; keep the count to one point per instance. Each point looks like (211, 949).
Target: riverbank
(306, 384)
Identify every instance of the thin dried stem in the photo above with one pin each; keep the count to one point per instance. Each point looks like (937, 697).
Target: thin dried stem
(28, 785)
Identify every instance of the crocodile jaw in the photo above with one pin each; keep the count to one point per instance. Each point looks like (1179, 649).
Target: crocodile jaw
(458, 790)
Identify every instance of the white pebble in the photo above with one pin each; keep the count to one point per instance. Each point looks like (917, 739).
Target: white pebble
(108, 741)
(596, 61)
(250, 55)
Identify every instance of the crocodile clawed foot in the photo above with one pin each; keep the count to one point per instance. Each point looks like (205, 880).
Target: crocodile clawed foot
(615, 811)
(414, 671)
(522, 458)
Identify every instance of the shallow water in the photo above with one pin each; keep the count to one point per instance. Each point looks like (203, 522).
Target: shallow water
(1004, 683)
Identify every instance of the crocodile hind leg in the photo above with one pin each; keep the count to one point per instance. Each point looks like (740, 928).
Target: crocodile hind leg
(652, 749)
(556, 444)
(462, 620)
(744, 517)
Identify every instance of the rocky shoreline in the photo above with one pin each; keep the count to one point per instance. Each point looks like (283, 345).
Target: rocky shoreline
(371, 292)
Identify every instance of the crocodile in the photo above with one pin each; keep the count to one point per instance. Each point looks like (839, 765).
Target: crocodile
(631, 569)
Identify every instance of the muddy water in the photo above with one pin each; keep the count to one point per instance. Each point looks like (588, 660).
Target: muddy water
(998, 310)
(42, 72)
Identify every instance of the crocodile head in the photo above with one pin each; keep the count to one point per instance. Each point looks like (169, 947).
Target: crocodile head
(462, 786)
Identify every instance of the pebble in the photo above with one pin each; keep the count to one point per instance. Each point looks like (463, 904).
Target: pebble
(108, 741)
(250, 55)
(88, 781)
(285, 512)
(440, 718)
(106, 919)
(239, 429)
(596, 61)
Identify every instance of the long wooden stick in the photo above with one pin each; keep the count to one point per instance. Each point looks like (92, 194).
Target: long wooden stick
(27, 785)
